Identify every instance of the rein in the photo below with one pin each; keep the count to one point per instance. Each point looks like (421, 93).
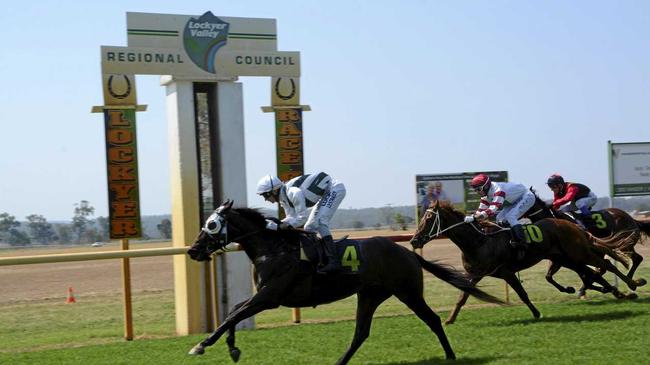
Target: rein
(437, 224)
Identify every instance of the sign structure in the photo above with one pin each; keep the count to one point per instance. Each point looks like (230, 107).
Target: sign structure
(629, 168)
(200, 47)
(453, 188)
(288, 127)
(122, 165)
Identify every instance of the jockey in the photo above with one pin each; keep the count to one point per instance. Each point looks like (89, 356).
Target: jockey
(316, 190)
(508, 201)
(569, 197)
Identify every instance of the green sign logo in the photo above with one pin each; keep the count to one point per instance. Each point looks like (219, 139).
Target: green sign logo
(203, 37)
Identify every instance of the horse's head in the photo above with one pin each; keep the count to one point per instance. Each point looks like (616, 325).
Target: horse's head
(225, 226)
(436, 219)
(213, 235)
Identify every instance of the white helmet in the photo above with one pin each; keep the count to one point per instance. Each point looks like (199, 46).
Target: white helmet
(267, 184)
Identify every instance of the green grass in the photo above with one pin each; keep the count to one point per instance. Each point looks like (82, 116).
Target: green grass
(603, 331)
(600, 330)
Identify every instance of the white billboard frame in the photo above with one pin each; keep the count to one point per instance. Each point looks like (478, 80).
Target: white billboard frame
(629, 168)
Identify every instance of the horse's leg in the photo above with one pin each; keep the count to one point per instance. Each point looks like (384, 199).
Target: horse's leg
(263, 300)
(235, 353)
(367, 303)
(462, 299)
(636, 261)
(515, 284)
(416, 303)
(612, 268)
(553, 268)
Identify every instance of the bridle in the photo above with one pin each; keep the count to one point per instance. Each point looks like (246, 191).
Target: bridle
(219, 236)
(436, 227)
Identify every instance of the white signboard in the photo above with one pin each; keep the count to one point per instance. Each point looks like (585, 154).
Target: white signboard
(200, 47)
(629, 168)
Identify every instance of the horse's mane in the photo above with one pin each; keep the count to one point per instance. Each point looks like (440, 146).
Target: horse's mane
(253, 215)
(444, 204)
(257, 218)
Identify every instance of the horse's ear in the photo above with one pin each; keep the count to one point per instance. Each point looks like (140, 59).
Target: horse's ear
(225, 207)
(436, 204)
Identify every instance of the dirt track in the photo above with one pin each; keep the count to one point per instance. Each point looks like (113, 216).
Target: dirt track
(103, 277)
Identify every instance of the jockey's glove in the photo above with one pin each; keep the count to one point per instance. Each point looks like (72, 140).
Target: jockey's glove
(271, 225)
(469, 219)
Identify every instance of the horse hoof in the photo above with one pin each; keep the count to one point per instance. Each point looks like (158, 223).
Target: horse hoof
(640, 282)
(570, 289)
(235, 353)
(197, 350)
(583, 297)
(448, 322)
(632, 296)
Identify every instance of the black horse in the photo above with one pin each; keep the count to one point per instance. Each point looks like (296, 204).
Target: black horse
(606, 223)
(492, 255)
(383, 269)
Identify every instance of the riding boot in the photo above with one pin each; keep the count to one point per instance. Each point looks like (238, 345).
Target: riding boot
(333, 265)
(518, 240)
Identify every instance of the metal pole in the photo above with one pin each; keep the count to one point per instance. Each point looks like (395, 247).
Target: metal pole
(126, 284)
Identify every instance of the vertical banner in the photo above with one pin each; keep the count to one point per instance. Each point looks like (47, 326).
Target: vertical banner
(289, 147)
(122, 166)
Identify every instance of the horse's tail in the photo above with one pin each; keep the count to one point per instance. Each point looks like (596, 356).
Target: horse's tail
(644, 226)
(457, 279)
(614, 246)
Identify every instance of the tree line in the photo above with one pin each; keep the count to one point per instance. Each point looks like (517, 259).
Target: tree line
(84, 228)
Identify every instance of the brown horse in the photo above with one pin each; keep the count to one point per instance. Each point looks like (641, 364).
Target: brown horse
(606, 223)
(492, 255)
(379, 269)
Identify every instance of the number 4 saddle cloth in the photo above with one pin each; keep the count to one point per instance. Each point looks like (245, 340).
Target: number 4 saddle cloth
(347, 252)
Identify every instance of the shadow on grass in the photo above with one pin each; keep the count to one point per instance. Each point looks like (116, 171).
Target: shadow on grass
(614, 301)
(593, 317)
(437, 360)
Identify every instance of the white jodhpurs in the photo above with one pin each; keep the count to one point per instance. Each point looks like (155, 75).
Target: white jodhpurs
(586, 202)
(321, 214)
(511, 214)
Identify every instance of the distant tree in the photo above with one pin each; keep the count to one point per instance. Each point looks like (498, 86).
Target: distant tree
(387, 214)
(7, 222)
(18, 238)
(81, 220)
(64, 231)
(165, 228)
(103, 229)
(400, 221)
(357, 224)
(40, 230)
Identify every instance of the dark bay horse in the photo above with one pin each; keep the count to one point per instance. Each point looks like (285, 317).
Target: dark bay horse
(607, 223)
(384, 269)
(492, 255)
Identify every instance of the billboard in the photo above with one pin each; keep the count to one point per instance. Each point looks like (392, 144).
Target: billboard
(453, 188)
(629, 168)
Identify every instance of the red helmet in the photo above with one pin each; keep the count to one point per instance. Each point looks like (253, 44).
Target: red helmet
(555, 180)
(480, 182)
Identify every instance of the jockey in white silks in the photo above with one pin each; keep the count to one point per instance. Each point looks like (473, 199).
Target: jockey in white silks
(507, 200)
(317, 191)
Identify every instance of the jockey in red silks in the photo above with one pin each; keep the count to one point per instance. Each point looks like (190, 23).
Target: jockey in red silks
(571, 197)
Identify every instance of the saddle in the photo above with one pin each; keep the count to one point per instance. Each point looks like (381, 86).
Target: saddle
(347, 251)
(600, 223)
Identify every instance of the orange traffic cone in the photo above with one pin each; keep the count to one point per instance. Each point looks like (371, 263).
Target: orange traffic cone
(70, 298)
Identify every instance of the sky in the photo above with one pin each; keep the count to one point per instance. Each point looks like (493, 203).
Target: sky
(397, 88)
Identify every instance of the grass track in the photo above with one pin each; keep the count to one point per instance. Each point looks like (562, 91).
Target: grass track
(603, 331)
